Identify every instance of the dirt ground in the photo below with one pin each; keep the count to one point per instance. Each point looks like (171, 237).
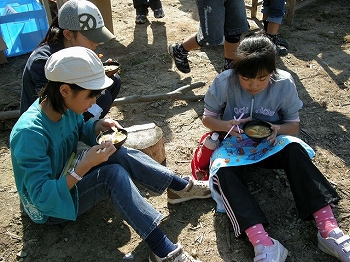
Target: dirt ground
(319, 60)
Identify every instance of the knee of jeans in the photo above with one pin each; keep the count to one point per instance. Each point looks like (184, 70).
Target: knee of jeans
(114, 173)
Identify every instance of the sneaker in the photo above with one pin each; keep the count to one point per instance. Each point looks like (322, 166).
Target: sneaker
(158, 13)
(281, 50)
(281, 45)
(178, 255)
(227, 65)
(180, 58)
(141, 19)
(337, 244)
(195, 189)
(278, 40)
(275, 253)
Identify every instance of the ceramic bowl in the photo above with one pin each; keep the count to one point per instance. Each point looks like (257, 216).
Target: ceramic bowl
(100, 137)
(257, 130)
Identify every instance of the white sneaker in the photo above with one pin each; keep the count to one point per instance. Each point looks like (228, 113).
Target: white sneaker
(275, 253)
(178, 255)
(337, 244)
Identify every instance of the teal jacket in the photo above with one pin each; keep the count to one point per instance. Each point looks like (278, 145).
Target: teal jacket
(39, 150)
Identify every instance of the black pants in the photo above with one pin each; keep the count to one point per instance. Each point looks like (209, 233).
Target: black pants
(141, 6)
(105, 101)
(310, 189)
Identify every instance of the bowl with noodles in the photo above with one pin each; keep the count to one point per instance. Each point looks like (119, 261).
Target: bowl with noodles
(257, 130)
(117, 137)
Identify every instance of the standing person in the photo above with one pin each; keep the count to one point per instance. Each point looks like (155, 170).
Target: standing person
(256, 89)
(79, 23)
(45, 136)
(217, 19)
(141, 7)
(273, 12)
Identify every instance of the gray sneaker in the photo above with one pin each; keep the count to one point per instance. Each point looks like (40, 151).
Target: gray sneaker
(337, 244)
(195, 189)
(178, 255)
(275, 253)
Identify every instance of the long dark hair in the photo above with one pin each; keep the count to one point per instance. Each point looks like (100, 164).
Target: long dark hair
(255, 56)
(54, 35)
(51, 92)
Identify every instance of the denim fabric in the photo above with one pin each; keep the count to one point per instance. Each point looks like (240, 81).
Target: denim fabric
(114, 180)
(274, 9)
(220, 18)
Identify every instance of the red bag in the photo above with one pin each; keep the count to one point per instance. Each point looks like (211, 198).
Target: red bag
(201, 160)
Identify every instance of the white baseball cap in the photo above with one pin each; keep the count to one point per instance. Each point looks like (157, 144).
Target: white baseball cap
(77, 65)
(84, 16)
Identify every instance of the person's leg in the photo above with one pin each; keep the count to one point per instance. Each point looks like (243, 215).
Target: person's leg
(273, 13)
(179, 53)
(210, 32)
(246, 215)
(310, 189)
(241, 207)
(236, 24)
(156, 6)
(141, 7)
(157, 177)
(112, 181)
(230, 50)
(190, 43)
(313, 195)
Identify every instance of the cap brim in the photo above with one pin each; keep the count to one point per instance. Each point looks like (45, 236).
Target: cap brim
(96, 84)
(99, 35)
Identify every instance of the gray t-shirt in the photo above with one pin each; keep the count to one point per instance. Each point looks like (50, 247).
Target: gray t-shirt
(277, 103)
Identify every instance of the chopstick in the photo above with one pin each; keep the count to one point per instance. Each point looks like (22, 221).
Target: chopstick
(234, 125)
(101, 150)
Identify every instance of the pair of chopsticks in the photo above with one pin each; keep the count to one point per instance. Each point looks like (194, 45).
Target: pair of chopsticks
(234, 125)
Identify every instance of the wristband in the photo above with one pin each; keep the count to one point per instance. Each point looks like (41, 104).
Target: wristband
(75, 175)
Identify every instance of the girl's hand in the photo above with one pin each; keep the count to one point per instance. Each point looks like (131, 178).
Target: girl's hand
(272, 138)
(94, 156)
(98, 154)
(236, 131)
(106, 124)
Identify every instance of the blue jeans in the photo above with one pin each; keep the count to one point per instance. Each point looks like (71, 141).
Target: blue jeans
(218, 18)
(274, 9)
(114, 179)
